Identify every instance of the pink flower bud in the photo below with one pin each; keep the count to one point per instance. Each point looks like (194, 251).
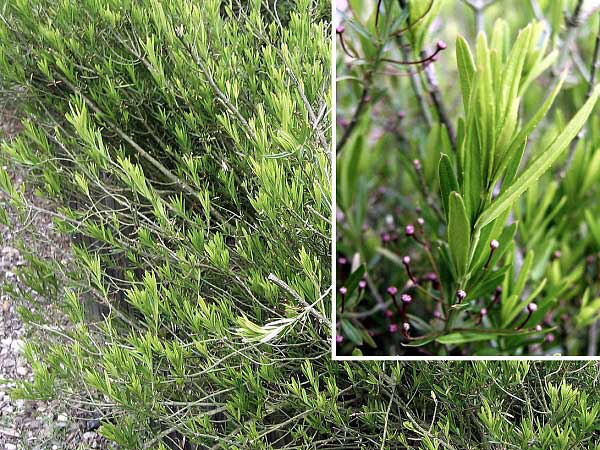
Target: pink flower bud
(532, 307)
(339, 338)
(441, 45)
(406, 298)
(461, 295)
(406, 327)
(483, 312)
(409, 230)
(392, 290)
(343, 290)
(393, 328)
(362, 284)
(388, 313)
(340, 29)
(406, 260)
(494, 244)
(421, 221)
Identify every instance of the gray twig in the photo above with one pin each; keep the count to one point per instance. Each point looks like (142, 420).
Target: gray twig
(282, 284)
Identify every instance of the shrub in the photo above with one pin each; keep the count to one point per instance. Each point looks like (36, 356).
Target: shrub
(186, 148)
(195, 343)
(473, 236)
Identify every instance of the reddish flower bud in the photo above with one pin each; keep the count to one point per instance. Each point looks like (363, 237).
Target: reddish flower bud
(393, 328)
(388, 313)
(431, 276)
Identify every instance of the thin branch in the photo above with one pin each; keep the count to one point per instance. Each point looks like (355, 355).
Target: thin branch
(436, 97)
(282, 284)
(479, 7)
(356, 116)
(415, 82)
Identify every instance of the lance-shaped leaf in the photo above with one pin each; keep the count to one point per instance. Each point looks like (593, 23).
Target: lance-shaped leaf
(466, 68)
(459, 234)
(541, 164)
(506, 156)
(448, 181)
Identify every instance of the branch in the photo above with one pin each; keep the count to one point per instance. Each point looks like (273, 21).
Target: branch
(282, 284)
(436, 97)
(357, 113)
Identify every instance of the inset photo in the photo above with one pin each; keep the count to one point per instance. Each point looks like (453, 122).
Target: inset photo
(467, 179)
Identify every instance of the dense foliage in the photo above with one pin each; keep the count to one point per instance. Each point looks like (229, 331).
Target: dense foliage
(186, 147)
(467, 179)
(186, 151)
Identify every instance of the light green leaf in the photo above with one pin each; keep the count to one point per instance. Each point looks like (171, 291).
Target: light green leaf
(466, 68)
(541, 164)
(448, 181)
(351, 332)
(519, 141)
(459, 234)
(462, 337)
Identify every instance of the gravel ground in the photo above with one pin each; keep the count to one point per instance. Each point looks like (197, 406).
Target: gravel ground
(27, 424)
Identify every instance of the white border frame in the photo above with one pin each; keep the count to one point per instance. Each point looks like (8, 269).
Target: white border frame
(334, 355)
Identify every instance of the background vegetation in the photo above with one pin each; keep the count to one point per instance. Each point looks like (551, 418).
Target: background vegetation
(467, 174)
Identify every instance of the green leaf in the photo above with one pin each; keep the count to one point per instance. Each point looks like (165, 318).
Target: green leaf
(464, 336)
(448, 181)
(466, 68)
(353, 279)
(593, 226)
(518, 143)
(541, 164)
(351, 332)
(422, 340)
(459, 234)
